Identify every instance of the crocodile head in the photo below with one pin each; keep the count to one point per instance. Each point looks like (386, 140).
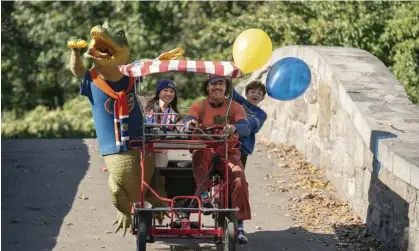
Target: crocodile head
(108, 46)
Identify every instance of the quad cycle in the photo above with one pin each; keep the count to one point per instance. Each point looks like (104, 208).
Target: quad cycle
(180, 186)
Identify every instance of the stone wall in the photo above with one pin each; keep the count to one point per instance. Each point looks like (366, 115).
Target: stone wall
(357, 123)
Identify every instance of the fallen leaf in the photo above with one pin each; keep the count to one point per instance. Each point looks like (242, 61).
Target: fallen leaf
(83, 197)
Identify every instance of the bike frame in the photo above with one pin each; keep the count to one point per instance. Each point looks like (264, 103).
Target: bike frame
(148, 146)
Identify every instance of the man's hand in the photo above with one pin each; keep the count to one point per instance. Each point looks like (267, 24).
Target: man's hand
(192, 124)
(229, 129)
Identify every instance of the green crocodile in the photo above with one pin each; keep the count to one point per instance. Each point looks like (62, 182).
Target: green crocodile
(107, 49)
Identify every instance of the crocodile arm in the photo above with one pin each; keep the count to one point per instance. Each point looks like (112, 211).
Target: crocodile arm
(76, 64)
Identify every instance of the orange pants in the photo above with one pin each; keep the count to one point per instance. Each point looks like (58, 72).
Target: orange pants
(238, 187)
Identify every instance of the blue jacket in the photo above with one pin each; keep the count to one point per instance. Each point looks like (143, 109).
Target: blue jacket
(256, 117)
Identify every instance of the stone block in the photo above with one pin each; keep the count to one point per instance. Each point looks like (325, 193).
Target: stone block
(349, 106)
(329, 75)
(357, 119)
(365, 131)
(311, 95)
(385, 156)
(366, 184)
(299, 111)
(341, 123)
(416, 213)
(324, 111)
(320, 71)
(357, 67)
(336, 164)
(315, 154)
(413, 242)
(359, 207)
(376, 215)
(363, 210)
(413, 220)
(384, 176)
(351, 188)
(347, 167)
(369, 161)
(333, 129)
(359, 184)
(376, 193)
(414, 176)
(401, 168)
(359, 153)
(399, 187)
(325, 160)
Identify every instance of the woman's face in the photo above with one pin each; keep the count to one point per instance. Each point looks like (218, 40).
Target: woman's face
(167, 95)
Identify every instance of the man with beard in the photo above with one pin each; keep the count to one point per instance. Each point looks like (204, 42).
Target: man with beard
(212, 112)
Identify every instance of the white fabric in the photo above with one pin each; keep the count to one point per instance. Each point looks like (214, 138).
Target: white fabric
(161, 159)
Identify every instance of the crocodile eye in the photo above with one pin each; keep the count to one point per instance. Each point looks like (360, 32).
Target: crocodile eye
(120, 33)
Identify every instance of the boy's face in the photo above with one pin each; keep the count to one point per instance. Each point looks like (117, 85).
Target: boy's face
(254, 96)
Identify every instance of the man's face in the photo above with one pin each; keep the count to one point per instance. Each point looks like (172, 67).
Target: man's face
(254, 96)
(217, 88)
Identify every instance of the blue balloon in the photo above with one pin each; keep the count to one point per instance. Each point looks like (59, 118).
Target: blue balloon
(288, 79)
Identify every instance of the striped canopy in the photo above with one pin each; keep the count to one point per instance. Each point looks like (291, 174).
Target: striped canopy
(144, 68)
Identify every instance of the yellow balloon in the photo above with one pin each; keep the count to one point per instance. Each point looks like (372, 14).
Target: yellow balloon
(252, 50)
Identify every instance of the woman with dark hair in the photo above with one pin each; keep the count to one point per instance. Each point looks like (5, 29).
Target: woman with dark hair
(165, 101)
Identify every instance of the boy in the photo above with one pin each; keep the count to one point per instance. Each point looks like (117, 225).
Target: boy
(255, 93)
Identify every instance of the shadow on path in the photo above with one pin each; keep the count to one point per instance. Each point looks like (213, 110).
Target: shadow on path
(293, 239)
(39, 183)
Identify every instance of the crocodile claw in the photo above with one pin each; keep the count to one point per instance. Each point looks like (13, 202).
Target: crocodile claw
(123, 222)
(159, 216)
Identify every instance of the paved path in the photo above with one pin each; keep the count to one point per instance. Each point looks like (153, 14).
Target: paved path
(55, 197)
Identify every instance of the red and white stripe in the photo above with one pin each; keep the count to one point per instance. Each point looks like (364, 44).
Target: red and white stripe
(144, 68)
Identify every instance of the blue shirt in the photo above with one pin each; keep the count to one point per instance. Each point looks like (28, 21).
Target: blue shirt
(256, 117)
(102, 111)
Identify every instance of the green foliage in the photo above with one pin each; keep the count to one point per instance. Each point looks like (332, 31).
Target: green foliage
(401, 35)
(35, 57)
(74, 119)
